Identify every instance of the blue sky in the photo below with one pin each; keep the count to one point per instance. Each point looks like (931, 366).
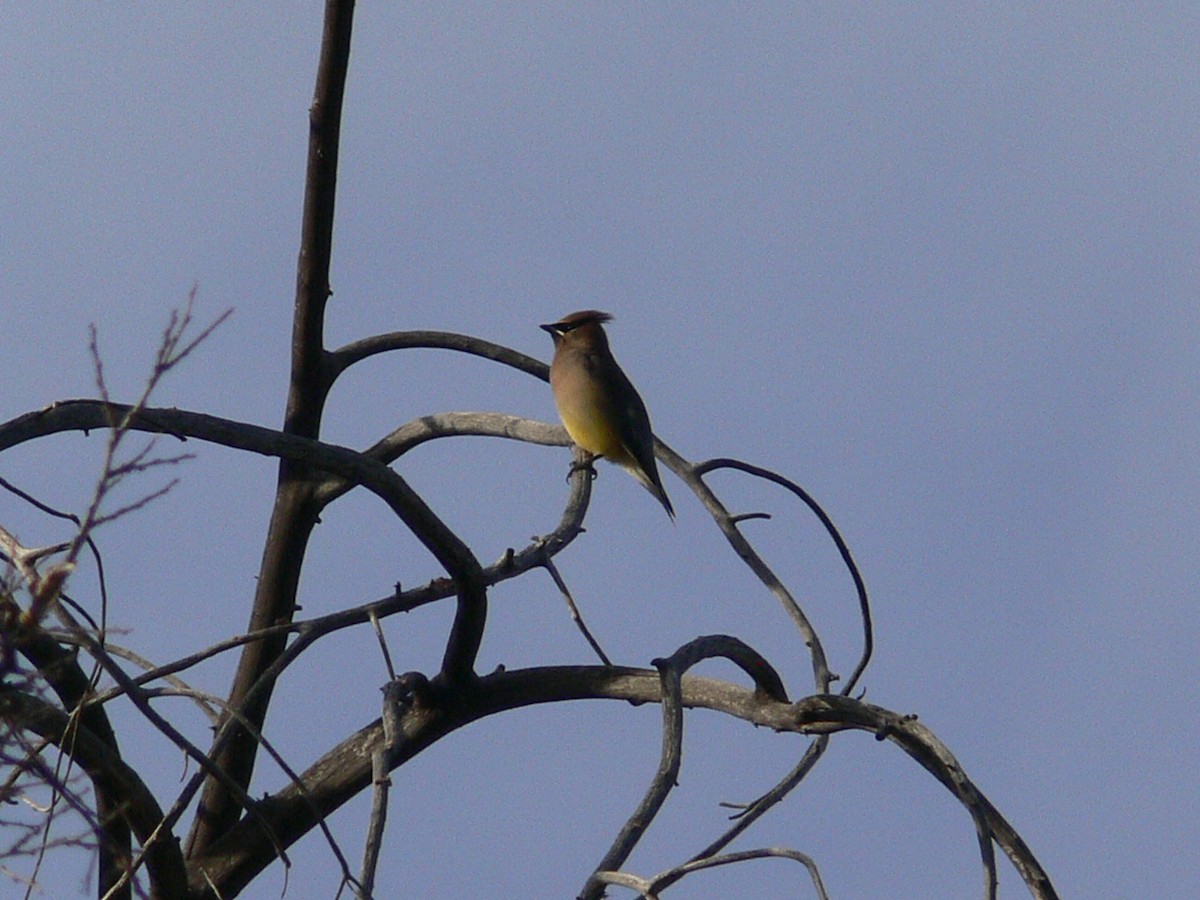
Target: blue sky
(938, 263)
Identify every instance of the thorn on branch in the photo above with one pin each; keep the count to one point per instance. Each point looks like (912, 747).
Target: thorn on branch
(745, 517)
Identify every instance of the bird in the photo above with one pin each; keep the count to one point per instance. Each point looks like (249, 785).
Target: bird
(598, 405)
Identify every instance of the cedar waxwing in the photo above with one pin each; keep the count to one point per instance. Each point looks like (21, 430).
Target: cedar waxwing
(598, 405)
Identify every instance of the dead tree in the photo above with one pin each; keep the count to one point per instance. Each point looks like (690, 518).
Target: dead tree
(61, 668)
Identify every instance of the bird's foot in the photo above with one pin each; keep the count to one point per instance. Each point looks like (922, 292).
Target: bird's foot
(583, 466)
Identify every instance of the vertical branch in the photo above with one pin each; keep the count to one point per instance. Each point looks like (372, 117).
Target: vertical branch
(400, 695)
(670, 672)
(767, 684)
(294, 514)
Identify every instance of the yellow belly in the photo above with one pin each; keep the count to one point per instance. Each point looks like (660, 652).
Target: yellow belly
(594, 433)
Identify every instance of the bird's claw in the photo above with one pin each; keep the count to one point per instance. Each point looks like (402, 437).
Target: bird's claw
(582, 466)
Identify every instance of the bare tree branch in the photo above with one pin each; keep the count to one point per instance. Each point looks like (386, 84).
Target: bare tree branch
(650, 888)
(449, 424)
(293, 515)
(344, 357)
(346, 769)
(754, 811)
(398, 695)
(140, 699)
(725, 521)
(233, 837)
(445, 546)
(767, 685)
(661, 881)
(576, 616)
(860, 587)
(665, 778)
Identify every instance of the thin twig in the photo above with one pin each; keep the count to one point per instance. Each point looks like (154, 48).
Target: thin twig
(576, 617)
(383, 647)
(666, 879)
(398, 695)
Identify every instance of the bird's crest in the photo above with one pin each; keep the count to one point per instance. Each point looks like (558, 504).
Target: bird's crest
(576, 319)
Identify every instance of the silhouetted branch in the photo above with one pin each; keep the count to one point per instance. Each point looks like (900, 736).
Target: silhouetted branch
(830, 713)
(768, 685)
(293, 516)
(398, 694)
(341, 359)
(84, 415)
(140, 699)
(752, 812)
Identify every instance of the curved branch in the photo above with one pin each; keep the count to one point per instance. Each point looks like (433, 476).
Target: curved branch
(85, 415)
(860, 586)
(651, 887)
(341, 359)
(824, 714)
(767, 682)
(670, 877)
(449, 424)
(768, 685)
(346, 769)
(692, 476)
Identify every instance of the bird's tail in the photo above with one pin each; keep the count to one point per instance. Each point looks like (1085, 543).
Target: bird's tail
(653, 484)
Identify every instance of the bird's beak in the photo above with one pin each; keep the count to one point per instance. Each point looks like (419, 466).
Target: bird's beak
(551, 329)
